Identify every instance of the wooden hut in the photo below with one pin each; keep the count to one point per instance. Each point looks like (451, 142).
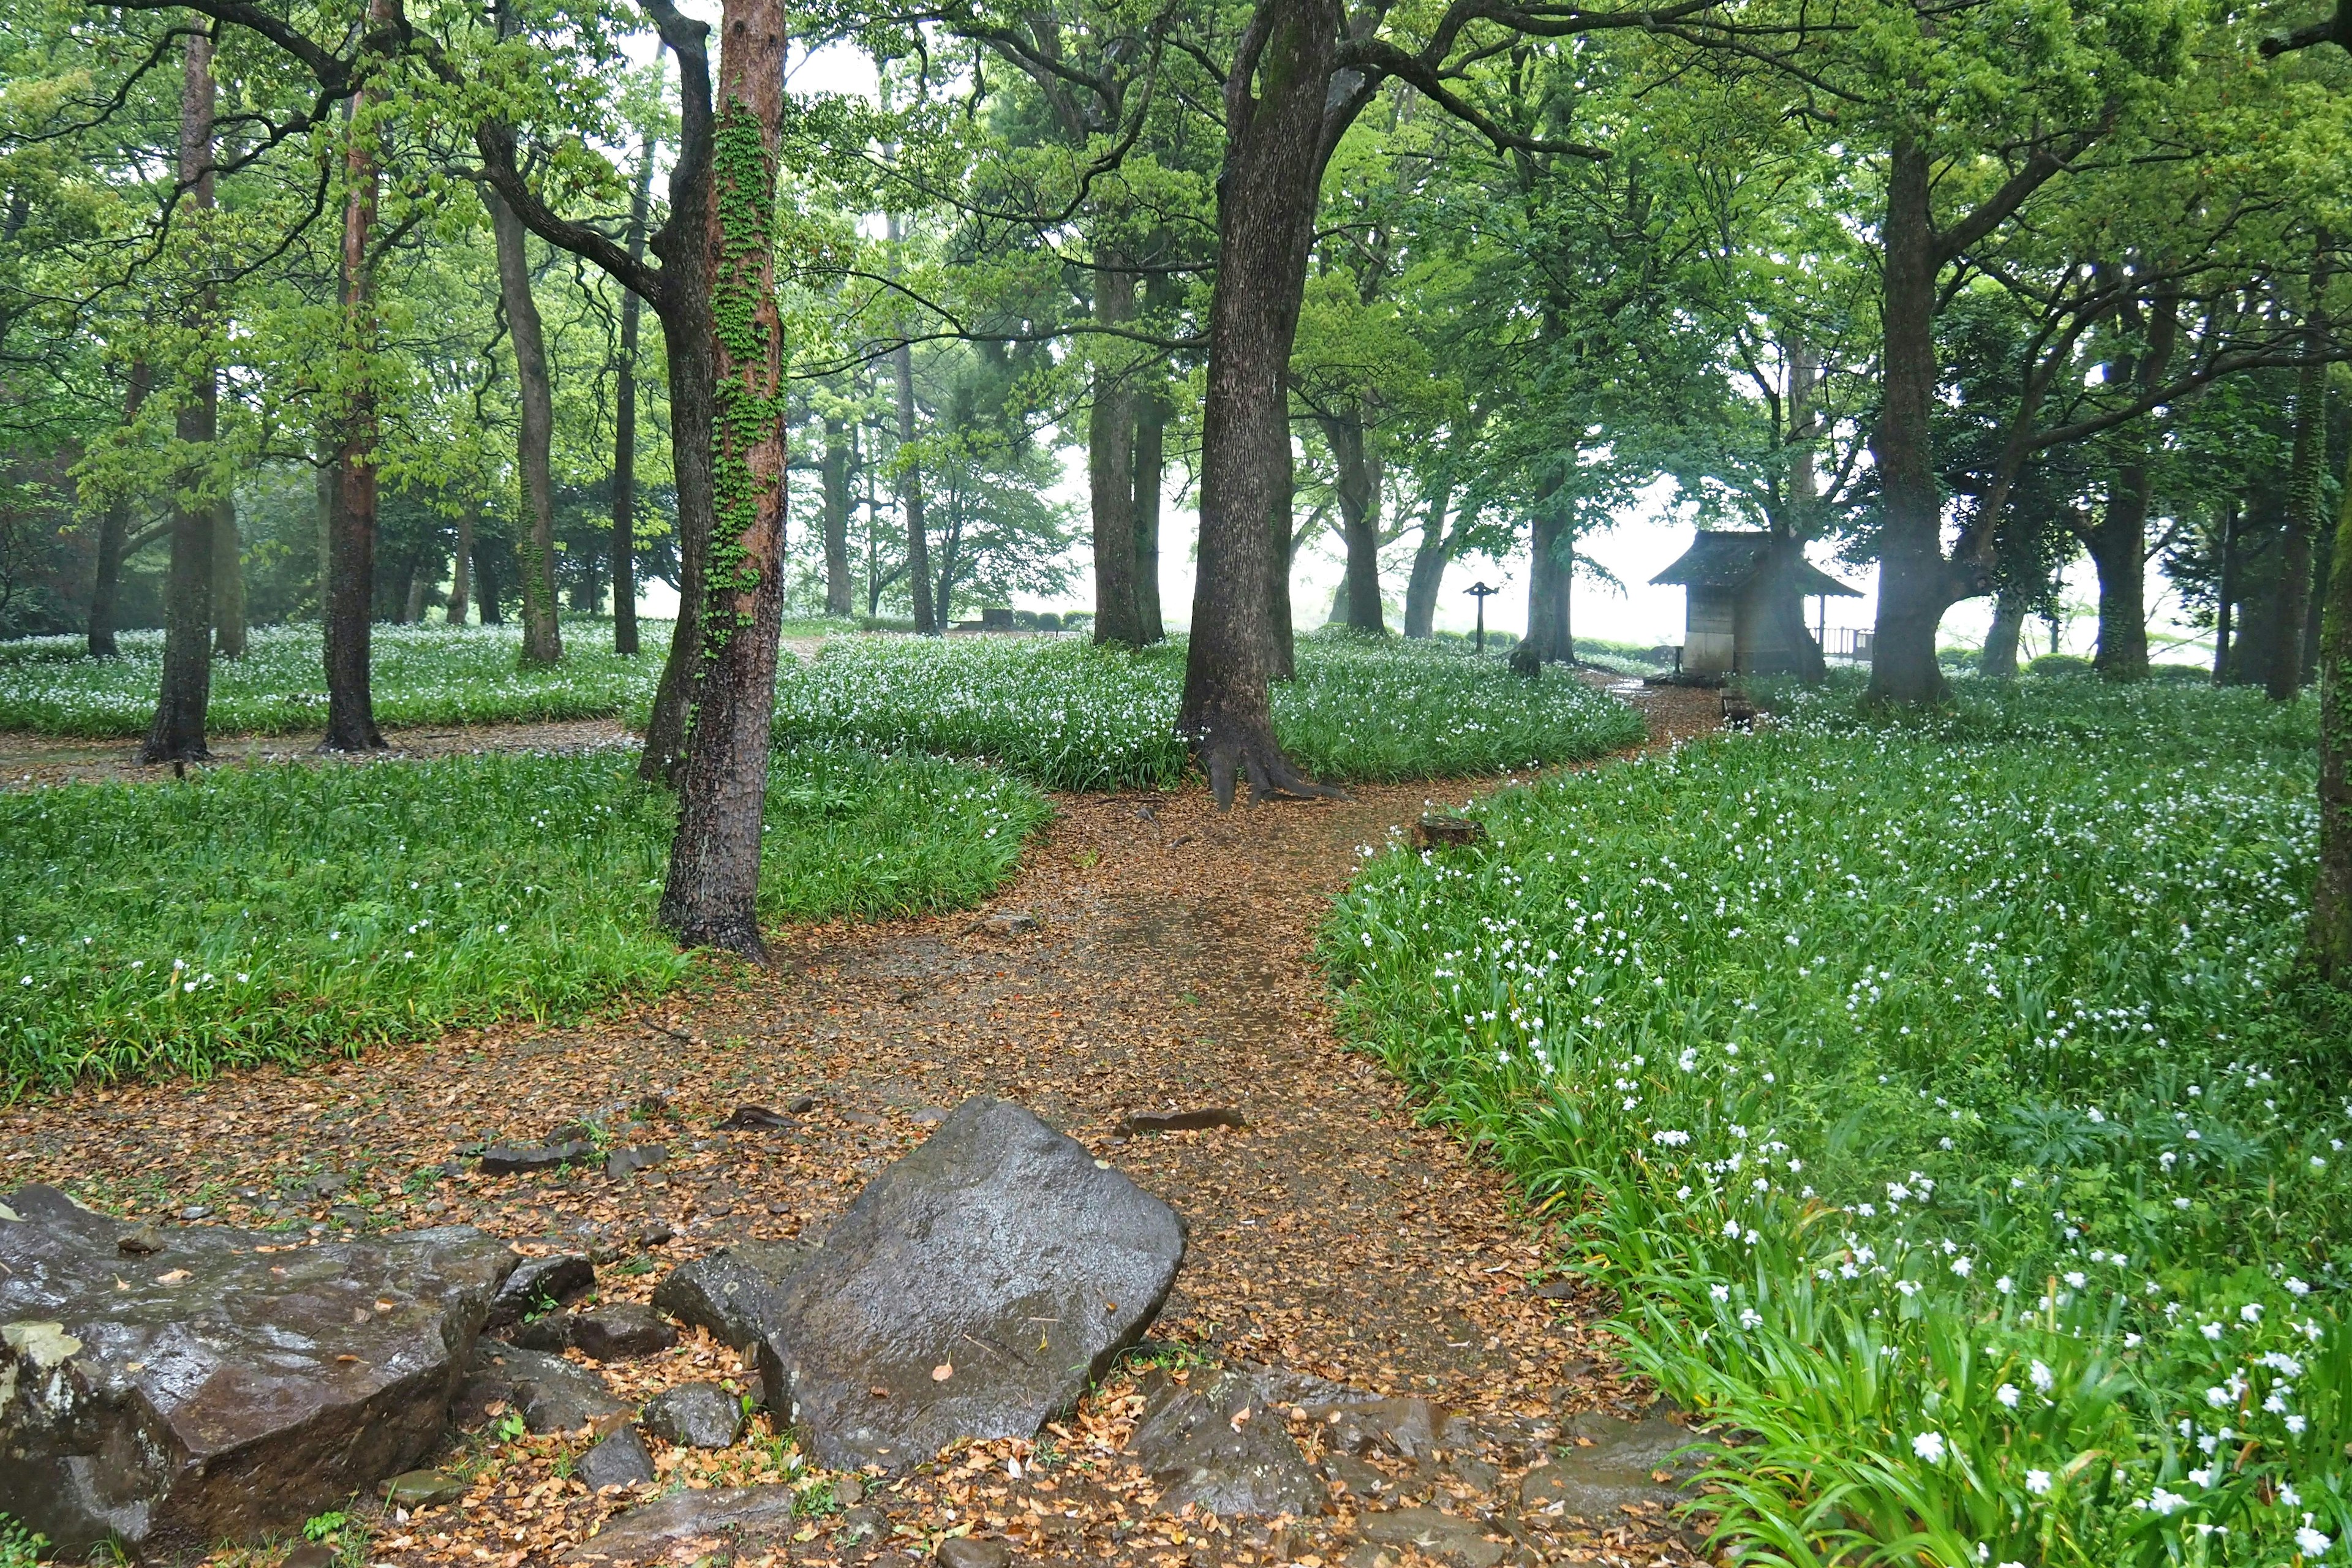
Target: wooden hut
(1740, 588)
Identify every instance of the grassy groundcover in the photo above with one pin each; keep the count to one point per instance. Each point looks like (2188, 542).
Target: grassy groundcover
(1067, 715)
(274, 911)
(427, 674)
(1939, 1098)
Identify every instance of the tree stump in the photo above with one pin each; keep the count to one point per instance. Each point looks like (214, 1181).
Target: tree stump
(1442, 831)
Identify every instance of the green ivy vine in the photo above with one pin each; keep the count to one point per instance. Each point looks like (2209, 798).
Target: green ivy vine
(742, 415)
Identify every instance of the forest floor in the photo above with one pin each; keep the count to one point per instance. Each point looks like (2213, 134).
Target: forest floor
(1171, 965)
(29, 760)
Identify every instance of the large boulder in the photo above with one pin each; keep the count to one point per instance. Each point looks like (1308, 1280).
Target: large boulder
(973, 1289)
(219, 1386)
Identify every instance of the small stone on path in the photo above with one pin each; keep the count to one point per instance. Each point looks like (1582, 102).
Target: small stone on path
(1217, 1447)
(1460, 1541)
(623, 1164)
(421, 1489)
(620, 1461)
(694, 1415)
(510, 1160)
(962, 1551)
(735, 1293)
(623, 1330)
(540, 1285)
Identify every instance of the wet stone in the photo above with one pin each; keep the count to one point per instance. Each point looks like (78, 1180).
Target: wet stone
(749, 1518)
(550, 1331)
(219, 1392)
(540, 1285)
(694, 1415)
(962, 1551)
(998, 1231)
(1357, 1478)
(421, 1489)
(1218, 1446)
(1607, 1464)
(510, 1160)
(1460, 1541)
(1407, 1428)
(550, 1393)
(735, 1293)
(620, 1461)
(623, 1164)
(624, 1331)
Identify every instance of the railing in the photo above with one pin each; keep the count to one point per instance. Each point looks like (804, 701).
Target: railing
(1850, 644)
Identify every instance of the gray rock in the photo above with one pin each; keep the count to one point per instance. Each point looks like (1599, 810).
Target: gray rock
(310, 1554)
(1473, 1472)
(218, 1393)
(421, 1489)
(622, 1163)
(1408, 1428)
(962, 1551)
(551, 1332)
(1217, 1445)
(625, 1330)
(734, 1293)
(860, 1526)
(1613, 1465)
(510, 1160)
(694, 1415)
(973, 1289)
(1461, 1541)
(1012, 922)
(620, 1461)
(1359, 1478)
(749, 1517)
(550, 1393)
(540, 1285)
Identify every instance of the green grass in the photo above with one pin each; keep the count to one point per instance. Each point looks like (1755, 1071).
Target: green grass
(426, 673)
(1066, 715)
(278, 911)
(1939, 1098)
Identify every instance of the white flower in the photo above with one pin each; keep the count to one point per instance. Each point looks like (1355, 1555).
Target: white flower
(2042, 1377)
(2296, 1288)
(2165, 1503)
(2210, 1330)
(1749, 1317)
(2251, 1313)
(1929, 1446)
(1962, 1264)
(2008, 1396)
(1720, 1292)
(2037, 1482)
(2311, 1540)
(2075, 1278)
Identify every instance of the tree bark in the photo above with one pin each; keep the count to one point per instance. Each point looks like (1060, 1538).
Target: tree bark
(835, 482)
(1914, 587)
(1275, 98)
(542, 641)
(710, 897)
(350, 546)
(1110, 471)
(910, 494)
(113, 532)
(1997, 659)
(2329, 939)
(1429, 560)
(1552, 571)
(228, 582)
(2305, 502)
(1151, 465)
(177, 734)
(421, 572)
(2118, 545)
(625, 427)
(1358, 491)
(2226, 595)
(461, 571)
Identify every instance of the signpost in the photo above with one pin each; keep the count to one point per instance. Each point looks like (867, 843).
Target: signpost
(1479, 591)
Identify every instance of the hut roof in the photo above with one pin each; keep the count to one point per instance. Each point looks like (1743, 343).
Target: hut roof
(1719, 559)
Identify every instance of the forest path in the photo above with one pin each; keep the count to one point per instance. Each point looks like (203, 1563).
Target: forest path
(1170, 966)
(27, 761)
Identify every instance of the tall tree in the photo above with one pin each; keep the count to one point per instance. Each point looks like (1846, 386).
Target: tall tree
(177, 734)
(624, 423)
(115, 542)
(542, 638)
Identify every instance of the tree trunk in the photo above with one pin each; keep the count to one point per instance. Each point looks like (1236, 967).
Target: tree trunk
(328, 478)
(2119, 550)
(113, 532)
(1913, 578)
(2323, 558)
(542, 641)
(1151, 465)
(178, 731)
(2226, 595)
(1266, 194)
(350, 582)
(1360, 517)
(624, 427)
(1285, 663)
(1997, 661)
(461, 571)
(835, 482)
(2329, 939)
(1110, 471)
(1552, 571)
(911, 495)
(422, 575)
(2305, 502)
(228, 582)
(1429, 561)
(711, 899)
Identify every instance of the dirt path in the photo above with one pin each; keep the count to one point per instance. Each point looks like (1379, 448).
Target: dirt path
(1170, 966)
(28, 760)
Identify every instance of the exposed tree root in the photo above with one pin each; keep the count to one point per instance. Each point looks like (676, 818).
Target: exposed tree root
(1228, 748)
